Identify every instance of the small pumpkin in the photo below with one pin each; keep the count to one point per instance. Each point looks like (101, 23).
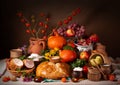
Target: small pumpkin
(67, 55)
(56, 41)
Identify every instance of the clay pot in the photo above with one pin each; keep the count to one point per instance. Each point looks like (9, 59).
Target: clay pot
(15, 53)
(36, 45)
(106, 68)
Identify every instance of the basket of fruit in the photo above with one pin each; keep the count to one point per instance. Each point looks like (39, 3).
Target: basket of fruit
(96, 58)
(19, 67)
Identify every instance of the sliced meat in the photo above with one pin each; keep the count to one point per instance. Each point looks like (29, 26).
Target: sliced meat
(15, 63)
(28, 63)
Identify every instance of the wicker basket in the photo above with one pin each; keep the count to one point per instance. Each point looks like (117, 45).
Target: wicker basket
(93, 74)
(104, 58)
(18, 73)
(94, 54)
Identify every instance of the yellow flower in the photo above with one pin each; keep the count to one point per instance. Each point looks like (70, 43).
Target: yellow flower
(47, 57)
(56, 49)
(52, 52)
(47, 54)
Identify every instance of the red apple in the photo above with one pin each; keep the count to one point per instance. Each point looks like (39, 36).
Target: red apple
(84, 55)
(94, 38)
(70, 32)
(71, 44)
(85, 69)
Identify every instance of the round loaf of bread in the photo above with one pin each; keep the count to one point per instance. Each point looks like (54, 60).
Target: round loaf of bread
(52, 70)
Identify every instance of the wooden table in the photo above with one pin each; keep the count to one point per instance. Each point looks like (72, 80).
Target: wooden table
(58, 82)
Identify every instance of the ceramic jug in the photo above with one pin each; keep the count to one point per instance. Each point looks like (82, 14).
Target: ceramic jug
(36, 45)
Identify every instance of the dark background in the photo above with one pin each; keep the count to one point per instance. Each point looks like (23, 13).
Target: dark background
(99, 16)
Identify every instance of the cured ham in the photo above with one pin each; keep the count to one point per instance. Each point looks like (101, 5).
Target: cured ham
(15, 63)
(28, 63)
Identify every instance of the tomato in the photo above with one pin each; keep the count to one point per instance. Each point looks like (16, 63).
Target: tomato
(111, 77)
(63, 79)
(71, 44)
(85, 69)
(6, 79)
(67, 55)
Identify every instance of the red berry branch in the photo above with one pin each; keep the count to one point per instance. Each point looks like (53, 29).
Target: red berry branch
(34, 26)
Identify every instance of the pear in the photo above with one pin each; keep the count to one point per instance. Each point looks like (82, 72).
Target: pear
(98, 57)
(92, 62)
(98, 60)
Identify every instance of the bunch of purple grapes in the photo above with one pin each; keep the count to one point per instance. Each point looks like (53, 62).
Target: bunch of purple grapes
(27, 79)
(78, 29)
(62, 31)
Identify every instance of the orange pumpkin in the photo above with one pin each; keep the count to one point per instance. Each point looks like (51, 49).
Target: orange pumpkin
(56, 41)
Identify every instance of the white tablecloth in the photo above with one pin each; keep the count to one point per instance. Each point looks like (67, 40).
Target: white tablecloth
(82, 82)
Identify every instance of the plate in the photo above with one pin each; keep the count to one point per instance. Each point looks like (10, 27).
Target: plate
(2, 67)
